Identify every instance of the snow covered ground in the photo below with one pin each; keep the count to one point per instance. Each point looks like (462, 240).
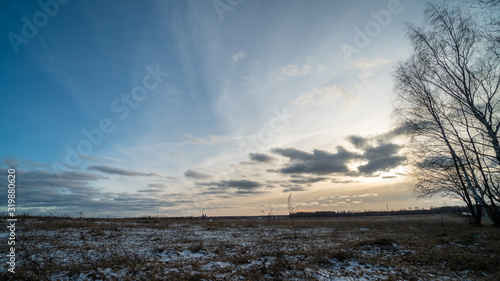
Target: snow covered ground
(403, 248)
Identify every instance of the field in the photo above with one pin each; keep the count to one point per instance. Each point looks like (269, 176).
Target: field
(440, 247)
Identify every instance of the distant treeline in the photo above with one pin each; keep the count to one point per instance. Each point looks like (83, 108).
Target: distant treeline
(437, 210)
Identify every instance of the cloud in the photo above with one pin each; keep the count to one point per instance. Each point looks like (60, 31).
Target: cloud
(150, 190)
(260, 157)
(238, 56)
(211, 139)
(244, 184)
(363, 63)
(294, 188)
(37, 179)
(11, 162)
(347, 200)
(296, 183)
(367, 66)
(380, 154)
(157, 185)
(319, 162)
(381, 158)
(407, 128)
(307, 180)
(195, 175)
(366, 195)
(72, 191)
(321, 95)
(294, 70)
(224, 188)
(118, 171)
(358, 141)
(334, 197)
(377, 153)
(342, 181)
(96, 159)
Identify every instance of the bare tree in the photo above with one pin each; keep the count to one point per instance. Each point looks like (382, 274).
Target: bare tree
(448, 92)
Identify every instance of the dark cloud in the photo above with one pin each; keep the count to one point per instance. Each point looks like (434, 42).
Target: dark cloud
(118, 171)
(195, 175)
(157, 185)
(308, 180)
(409, 128)
(244, 184)
(290, 188)
(294, 188)
(319, 162)
(342, 181)
(381, 158)
(150, 190)
(260, 157)
(378, 153)
(36, 179)
(362, 142)
(358, 141)
(248, 192)
(68, 192)
(226, 189)
(438, 162)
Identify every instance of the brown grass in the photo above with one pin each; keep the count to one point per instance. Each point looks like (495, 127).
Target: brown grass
(376, 248)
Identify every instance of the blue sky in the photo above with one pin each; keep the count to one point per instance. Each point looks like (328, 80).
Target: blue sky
(128, 108)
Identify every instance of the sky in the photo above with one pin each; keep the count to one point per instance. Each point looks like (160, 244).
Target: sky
(183, 108)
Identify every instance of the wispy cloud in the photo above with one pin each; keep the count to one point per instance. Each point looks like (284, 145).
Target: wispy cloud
(294, 188)
(210, 139)
(364, 63)
(10, 162)
(261, 157)
(118, 171)
(321, 95)
(294, 70)
(150, 190)
(233, 187)
(368, 66)
(195, 175)
(238, 56)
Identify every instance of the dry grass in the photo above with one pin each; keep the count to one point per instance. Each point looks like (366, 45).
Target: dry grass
(374, 248)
